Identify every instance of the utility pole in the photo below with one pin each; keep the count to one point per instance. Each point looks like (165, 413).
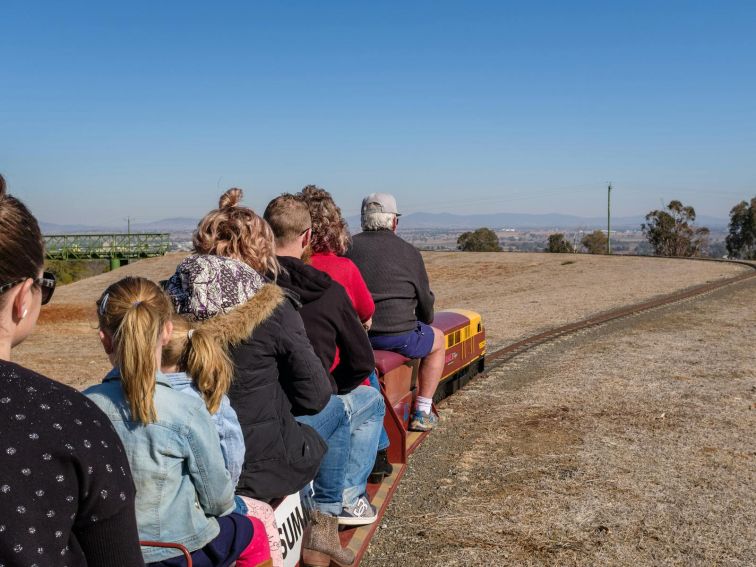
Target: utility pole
(127, 253)
(609, 219)
(128, 231)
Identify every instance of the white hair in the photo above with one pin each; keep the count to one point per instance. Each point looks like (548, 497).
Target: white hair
(378, 221)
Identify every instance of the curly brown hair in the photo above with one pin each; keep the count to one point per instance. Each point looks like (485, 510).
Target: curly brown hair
(330, 232)
(237, 232)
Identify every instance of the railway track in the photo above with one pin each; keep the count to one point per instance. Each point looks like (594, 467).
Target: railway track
(381, 495)
(499, 356)
(505, 353)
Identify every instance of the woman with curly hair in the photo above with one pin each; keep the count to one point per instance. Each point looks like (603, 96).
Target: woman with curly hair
(226, 288)
(329, 242)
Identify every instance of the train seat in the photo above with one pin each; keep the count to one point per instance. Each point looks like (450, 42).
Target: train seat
(386, 361)
(396, 373)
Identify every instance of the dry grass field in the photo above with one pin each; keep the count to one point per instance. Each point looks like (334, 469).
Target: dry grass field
(518, 294)
(630, 444)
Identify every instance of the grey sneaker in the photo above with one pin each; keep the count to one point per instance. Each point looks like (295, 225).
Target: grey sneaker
(361, 514)
(422, 421)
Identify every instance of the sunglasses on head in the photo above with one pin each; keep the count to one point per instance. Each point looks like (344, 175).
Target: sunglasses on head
(46, 283)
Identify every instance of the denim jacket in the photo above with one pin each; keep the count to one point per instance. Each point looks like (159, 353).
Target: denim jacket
(176, 464)
(225, 420)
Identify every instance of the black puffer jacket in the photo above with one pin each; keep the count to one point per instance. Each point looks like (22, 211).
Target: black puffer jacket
(276, 376)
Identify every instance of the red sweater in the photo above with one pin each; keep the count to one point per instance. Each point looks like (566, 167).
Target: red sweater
(346, 273)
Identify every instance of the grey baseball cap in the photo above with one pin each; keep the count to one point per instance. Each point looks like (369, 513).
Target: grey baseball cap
(379, 203)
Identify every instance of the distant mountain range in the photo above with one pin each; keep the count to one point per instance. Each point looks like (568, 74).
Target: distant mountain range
(414, 221)
(523, 221)
(164, 225)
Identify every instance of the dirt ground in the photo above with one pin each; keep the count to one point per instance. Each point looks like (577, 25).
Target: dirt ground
(630, 444)
(517, 294)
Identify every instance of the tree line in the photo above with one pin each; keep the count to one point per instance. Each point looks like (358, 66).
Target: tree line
(670, 232)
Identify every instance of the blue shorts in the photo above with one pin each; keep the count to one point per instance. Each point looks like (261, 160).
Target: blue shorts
(415, 344)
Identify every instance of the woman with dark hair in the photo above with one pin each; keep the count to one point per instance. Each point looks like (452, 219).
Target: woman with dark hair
(66, 492)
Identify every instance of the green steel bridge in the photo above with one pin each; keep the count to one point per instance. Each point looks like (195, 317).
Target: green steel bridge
(119, 248)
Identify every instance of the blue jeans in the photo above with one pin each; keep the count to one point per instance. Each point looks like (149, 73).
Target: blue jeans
(365, 409)
(383, 440)
(332, 424)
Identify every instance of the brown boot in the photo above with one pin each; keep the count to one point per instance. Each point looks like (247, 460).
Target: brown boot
(322, 545)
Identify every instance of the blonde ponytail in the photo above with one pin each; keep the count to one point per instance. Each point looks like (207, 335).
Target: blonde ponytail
(205, 359)
(134, 312)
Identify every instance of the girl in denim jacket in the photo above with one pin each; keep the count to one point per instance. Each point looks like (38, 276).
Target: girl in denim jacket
(195, 363)
(184, 493)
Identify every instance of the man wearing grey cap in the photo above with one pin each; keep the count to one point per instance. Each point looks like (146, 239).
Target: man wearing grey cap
(395, 274)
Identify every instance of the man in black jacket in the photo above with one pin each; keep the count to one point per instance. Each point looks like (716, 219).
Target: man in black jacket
(339, 340)
(395, 275)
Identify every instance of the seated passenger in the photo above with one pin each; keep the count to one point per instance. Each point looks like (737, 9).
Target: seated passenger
(195, 363)
(277, 373)
(336, 334)
(205, 375)
(59, 455)
(329, 241)
(395, 274)
(184, 493)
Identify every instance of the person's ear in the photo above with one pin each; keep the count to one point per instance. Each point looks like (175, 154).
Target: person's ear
(107, 342)
(22, 301)
(167, 333)
(306, 238)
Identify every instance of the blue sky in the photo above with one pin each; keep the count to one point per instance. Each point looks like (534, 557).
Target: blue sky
(152, 109)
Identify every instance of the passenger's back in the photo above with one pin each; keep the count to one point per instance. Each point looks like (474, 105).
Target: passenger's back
(395, 274)
(171, 462)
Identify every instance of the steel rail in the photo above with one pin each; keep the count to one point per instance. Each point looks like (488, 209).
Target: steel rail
(505, 353)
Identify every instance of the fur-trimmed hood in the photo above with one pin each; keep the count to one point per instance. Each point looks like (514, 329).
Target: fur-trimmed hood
(236, 325)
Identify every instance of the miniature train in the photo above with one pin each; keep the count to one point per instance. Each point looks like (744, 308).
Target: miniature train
(465, 352)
